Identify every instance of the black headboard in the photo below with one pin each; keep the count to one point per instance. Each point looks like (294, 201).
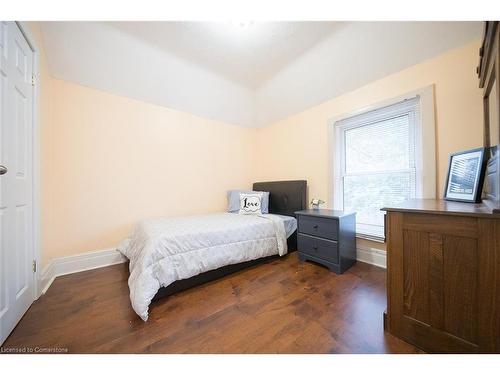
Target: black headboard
(285, 197)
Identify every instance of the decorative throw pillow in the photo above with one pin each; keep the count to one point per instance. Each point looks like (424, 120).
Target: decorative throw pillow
(233, 197)
(250, 204)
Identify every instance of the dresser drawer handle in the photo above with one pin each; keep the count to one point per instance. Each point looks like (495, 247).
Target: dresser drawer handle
(315, 226)
(315, 248)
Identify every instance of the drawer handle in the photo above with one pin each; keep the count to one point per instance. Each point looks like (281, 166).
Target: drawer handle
(315, 248)
(315, 226)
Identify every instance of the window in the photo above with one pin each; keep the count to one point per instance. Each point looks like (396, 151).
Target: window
(379, 163)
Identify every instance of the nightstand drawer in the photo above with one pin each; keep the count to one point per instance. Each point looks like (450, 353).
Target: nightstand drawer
(318, 247)
(318, 226)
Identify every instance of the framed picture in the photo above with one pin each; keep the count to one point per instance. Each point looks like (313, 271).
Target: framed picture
(466, 176)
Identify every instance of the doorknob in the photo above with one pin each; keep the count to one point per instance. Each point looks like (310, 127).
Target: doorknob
(3, 170)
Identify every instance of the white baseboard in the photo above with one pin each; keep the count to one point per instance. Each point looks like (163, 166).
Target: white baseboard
(372, 256)
(77, 263)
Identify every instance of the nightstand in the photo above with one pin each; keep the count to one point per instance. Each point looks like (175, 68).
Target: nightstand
(327, 237)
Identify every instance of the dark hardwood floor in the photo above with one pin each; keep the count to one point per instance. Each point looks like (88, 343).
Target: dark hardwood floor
(284, 306)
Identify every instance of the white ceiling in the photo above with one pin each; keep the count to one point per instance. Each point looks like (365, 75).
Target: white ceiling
(353, 56)
(243, 75)
(100, 56)
(245, 52)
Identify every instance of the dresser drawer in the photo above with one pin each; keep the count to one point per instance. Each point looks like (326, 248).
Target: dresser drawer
(318, 226)
(318, 247)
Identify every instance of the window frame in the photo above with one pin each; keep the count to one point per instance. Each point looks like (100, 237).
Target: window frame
(425, 146)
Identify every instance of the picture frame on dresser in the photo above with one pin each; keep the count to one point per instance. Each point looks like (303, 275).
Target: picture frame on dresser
(465, 178)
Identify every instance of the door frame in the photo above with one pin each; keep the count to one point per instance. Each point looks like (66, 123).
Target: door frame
(36, 198)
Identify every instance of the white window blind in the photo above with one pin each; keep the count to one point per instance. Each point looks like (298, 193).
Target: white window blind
(378, 163)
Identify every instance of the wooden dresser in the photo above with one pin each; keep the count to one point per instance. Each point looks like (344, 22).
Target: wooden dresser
(443, 276)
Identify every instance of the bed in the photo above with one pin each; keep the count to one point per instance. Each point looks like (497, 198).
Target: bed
(168, 255)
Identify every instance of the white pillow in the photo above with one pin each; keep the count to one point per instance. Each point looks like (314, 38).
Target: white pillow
(233, 197)
(250, 204)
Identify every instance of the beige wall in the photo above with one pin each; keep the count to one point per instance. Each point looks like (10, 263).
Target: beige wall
(108, 161)
(118, 160)
(297, 147)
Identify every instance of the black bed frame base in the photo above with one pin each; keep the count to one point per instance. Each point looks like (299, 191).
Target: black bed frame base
(205, 277)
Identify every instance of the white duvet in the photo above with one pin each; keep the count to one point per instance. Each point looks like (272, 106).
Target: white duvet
(162, 251)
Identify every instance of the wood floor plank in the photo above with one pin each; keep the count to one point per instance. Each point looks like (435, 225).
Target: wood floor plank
(284, 306)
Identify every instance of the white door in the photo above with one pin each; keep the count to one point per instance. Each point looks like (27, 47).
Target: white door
(16, 177)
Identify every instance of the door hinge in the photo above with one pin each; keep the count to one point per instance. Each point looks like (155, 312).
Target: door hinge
(33, 80)
(34, 266)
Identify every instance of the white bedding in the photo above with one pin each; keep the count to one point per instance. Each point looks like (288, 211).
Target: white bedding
(162, 251)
